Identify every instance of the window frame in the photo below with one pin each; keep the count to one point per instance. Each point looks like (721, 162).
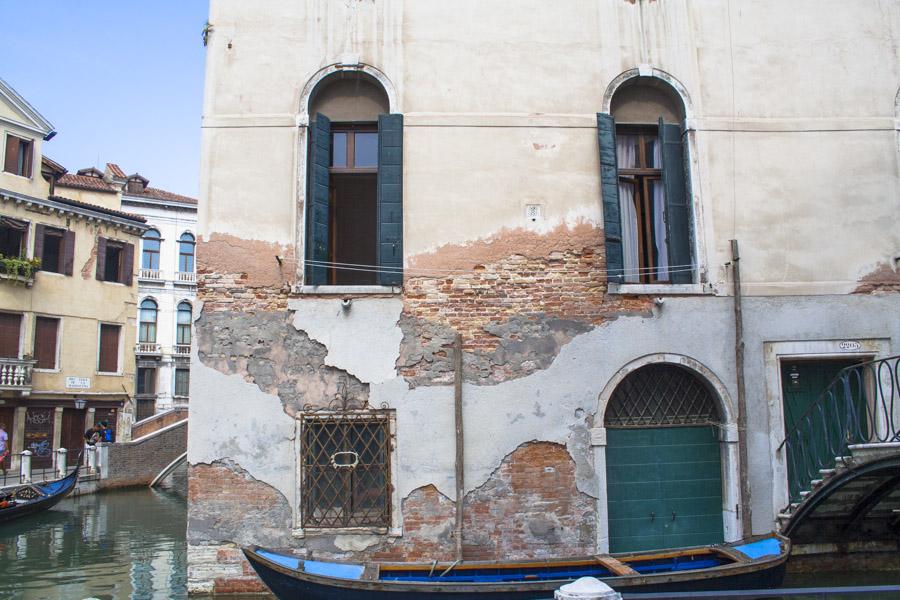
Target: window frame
(145, 328)
(152, 253)
(57, 343)
(351, 129)
(24, 158)
(186, 373)
(150, 373)
(192, 243)
(118, 352)
(180, 327)
(23, 233)
(20, 340)
(391, 524)
(59, 235)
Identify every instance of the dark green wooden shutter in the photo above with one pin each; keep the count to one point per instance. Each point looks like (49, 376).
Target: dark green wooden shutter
(390, 199)
(678, 206)
(609, 187)
(317, 213)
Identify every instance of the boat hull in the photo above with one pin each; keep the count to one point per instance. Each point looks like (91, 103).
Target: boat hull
(60, 489)
(294, 584)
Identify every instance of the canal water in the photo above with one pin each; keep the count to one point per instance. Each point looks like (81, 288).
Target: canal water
(131, 545)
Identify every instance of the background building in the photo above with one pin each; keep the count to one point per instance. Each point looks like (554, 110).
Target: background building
(559, 184)
(67, 295)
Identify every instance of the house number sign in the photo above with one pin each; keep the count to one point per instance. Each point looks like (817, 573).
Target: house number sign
(847, 345)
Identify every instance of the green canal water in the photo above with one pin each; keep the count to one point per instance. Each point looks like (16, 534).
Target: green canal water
(131, 545)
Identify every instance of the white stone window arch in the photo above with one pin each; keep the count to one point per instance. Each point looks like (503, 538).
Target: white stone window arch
(701, 285)
(728, 440)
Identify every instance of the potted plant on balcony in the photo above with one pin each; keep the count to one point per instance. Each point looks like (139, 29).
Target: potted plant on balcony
(19, 268)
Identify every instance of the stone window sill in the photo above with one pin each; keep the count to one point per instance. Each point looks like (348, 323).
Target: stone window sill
(684, 289)
(348, 290)
(299, 532)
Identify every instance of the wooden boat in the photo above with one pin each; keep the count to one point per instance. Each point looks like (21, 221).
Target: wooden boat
(34, 497)
(756, 563)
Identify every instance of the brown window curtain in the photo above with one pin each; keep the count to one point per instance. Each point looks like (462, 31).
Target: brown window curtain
(101, 257)
(39, 241)
(11, 161)
(126, 268)
(10, 325)
(68, 252)
(109, 349)
(45, 332)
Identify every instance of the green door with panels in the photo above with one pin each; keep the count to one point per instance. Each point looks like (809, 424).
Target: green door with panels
(663, 461)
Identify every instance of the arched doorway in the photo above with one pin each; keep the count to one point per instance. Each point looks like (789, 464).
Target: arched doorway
(663, 460)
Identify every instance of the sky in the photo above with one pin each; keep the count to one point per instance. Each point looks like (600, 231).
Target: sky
(120, 81)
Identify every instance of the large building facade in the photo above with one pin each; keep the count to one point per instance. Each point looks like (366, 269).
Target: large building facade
(559, 186)
(67, 296)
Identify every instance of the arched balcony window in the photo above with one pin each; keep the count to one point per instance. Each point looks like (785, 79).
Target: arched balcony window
(150, 250)
(186, 245)
(147, 331)
(183, 334)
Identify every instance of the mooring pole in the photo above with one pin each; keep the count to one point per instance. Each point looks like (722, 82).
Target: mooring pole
(460, 455)
(746, 524)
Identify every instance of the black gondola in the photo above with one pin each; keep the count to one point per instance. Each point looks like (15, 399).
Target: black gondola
(34, 497)
(754, 563)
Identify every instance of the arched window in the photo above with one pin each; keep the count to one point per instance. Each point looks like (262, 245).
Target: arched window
(150, 250)
(183, 334)
(186, 253)
(646, 191)
(355, 160)
(147, 331)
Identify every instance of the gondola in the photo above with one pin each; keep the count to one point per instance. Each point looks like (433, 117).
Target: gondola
(757, 562)
(34, 497)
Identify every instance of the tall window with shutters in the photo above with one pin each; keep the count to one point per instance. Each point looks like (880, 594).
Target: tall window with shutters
(648, 218)
(19, 155)
(55, 248)
(115, 261)
(46, 342)
(355, 190)
(13, 237)
(108, 349)
(10, 334)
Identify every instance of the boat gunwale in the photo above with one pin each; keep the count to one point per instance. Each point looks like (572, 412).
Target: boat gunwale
(726, 570)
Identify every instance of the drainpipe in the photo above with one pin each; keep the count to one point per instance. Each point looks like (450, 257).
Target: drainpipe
(746, 521)
(460, 457)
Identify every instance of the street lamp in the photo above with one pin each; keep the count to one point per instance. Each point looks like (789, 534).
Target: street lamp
(80, 403)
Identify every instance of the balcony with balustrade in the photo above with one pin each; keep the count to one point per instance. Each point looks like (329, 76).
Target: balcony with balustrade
(181, 350)
(15, 375)
(147, 349)
(188, 278)
(150, 276)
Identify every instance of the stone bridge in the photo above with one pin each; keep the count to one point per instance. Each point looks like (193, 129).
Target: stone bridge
(844, 464)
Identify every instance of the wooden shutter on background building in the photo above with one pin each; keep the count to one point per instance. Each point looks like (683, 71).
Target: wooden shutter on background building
(317, 214)
(390, 199)
(101, 257)
(68, 252)
(609, 188)
(126, 268)
(678, 206)
(10, 326)
(29, 151)
(39, 241)
(45, 336)
(109, 349)
(11, 160)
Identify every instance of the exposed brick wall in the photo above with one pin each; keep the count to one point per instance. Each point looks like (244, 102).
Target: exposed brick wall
(229, 291)
(138, 463)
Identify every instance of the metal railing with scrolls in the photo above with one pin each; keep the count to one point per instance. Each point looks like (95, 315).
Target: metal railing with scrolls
(861, 405)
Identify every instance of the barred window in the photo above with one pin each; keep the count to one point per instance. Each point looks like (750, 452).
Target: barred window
(346, 470)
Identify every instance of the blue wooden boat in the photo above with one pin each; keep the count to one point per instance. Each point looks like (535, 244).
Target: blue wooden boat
(34, 497)
(758, 563)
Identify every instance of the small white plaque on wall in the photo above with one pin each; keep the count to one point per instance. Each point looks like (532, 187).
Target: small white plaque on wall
(78, 383)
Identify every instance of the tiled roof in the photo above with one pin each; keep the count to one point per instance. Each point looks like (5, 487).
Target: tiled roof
(116, 170)
(102, 209)
(84, 182)
(158, 194)
(55, 166)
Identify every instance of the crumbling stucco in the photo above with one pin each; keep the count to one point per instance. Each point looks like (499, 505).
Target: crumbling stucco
(269, 351)
(260, 264)
(225, 502)
(883, 278)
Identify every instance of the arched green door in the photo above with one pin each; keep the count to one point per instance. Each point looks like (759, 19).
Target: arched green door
(663, 462)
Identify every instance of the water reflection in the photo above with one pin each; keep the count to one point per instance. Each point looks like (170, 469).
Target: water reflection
(114, 545)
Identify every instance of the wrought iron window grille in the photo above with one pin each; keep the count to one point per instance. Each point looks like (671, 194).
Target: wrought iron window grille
(662, 395)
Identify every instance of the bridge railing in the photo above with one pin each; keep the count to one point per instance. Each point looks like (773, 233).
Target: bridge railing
(861, 405)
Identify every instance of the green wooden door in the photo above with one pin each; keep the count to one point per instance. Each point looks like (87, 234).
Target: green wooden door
(802, 382)
(664, 487)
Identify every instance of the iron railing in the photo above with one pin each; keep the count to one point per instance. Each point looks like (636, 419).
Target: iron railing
(861, 405)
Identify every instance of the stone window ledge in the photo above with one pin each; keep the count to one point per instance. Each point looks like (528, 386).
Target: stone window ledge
(348, 290)
(659, 289)
(299, 532)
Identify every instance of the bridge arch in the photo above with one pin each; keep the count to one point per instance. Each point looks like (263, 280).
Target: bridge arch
(667, 409)
(168, 469)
